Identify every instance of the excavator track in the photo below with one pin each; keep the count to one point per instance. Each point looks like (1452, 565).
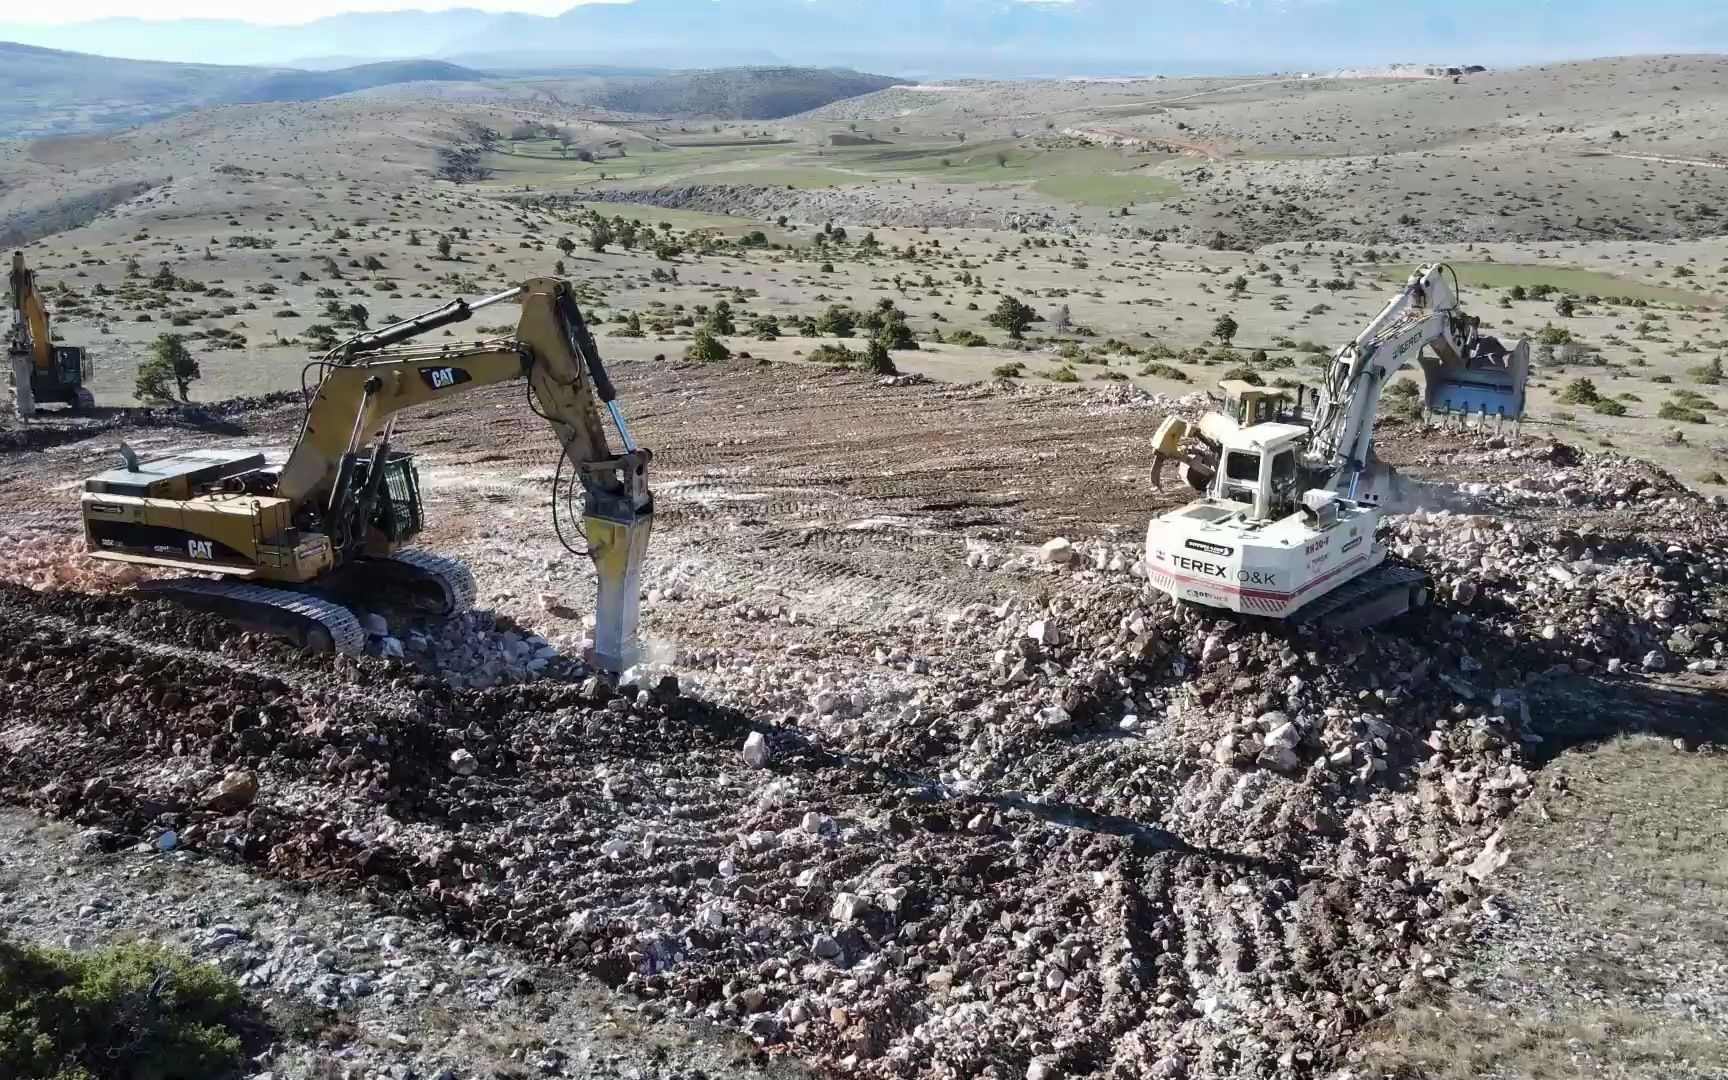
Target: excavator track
(309, 621)
(1378, 596)
(451, 576)
(411, 580)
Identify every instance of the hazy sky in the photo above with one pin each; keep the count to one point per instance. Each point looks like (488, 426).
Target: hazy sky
(17, 11)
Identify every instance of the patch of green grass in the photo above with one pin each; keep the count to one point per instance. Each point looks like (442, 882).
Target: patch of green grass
(1106, 189)
(537, 161)
(129, 1011)
(1484, 275)
(1621, 864)
(997, 160)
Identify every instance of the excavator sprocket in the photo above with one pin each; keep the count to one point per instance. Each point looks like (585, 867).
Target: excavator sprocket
(309, 621)
(450, 580)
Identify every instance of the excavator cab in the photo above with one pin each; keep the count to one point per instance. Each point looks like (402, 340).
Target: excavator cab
(1249, 404)
(70, 371)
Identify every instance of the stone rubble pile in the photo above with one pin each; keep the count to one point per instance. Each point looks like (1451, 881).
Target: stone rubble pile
(1082, 830)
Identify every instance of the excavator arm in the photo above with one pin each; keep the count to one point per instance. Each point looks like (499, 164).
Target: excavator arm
(30, 326)
(372, 378)
(1462, 371)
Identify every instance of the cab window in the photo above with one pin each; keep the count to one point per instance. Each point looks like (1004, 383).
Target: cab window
(1239, 466)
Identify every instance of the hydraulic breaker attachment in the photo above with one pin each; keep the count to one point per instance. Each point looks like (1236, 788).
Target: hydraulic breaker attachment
(619, 548)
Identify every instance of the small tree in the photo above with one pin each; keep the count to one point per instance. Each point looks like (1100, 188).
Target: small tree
(880, 362)
(169, 363)
(599, 235)
(1579, 392)
(1013, 316)
(163, 278)
(357, 315)
(719, 321)
(566, 245)
(373, 264)
(321, 336)
(1565, 306)
(443, 247)
(837, 321)
(1059, 319)
(705, 347)
(1224, 329)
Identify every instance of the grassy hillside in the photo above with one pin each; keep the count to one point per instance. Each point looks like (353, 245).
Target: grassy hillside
(749, 93)
(49, 92)
(310, 85)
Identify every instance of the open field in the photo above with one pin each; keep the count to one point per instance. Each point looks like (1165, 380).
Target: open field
(1019, 816)
(1567, 279)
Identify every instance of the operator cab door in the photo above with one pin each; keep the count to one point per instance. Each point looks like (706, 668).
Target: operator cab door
(71, 365)
(1259, 479)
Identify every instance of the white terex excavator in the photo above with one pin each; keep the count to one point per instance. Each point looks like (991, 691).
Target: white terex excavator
(1291, 498)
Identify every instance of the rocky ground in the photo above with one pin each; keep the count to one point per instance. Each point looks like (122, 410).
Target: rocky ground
(1017, 818)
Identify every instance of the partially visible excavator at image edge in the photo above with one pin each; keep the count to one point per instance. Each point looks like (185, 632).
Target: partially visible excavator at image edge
(42, 372)
(329, 527)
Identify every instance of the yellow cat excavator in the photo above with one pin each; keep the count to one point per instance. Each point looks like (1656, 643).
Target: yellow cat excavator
(290, 547)
(42, 372)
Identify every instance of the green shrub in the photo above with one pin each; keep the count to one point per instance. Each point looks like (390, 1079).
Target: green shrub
(1063, 375)
(1246, 374)
(1609, 407)
(705, 347)
(1009, 371)
(1579, 392)
(1403, 388)
(1674, 410)
(121, 1012)
(838, 355)
(1164, 371)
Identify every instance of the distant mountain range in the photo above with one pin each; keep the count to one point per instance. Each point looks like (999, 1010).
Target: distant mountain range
(51, 91)
(945, 37)
(56, 92)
